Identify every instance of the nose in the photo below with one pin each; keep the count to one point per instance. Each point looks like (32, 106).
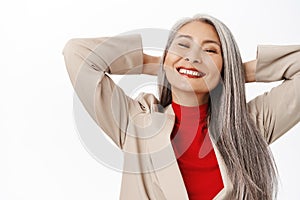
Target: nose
(193, 57)
(192, 60)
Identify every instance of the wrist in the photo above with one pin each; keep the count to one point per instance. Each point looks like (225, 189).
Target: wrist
(250, 71)
(150, 64)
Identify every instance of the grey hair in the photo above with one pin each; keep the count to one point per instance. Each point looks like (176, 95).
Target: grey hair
(248, 159)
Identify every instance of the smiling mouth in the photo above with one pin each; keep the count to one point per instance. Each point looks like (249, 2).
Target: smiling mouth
(190, 72)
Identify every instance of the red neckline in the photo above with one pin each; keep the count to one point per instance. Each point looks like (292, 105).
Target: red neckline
(190, 112)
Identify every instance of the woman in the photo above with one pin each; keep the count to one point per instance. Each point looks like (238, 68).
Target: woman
(200, 140)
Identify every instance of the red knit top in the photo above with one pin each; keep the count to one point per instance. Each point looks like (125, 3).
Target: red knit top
(194, 152)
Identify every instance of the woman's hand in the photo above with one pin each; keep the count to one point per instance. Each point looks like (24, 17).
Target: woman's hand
(250, 71)
(151, 64)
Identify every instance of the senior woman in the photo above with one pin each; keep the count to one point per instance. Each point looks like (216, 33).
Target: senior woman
(200, 139)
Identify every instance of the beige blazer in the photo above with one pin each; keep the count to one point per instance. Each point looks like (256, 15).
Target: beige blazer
(143, 133)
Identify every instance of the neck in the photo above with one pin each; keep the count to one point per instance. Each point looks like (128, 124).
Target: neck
(187, 98)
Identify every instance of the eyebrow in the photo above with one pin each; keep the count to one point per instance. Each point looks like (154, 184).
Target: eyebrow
(204, 42)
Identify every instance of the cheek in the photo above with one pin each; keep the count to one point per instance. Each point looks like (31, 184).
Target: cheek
(214, 74)
(218, 61)
(171, 59)
(216, 70)
(220, 65)
(216, 66)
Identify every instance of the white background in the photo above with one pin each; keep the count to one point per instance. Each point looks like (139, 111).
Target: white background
(41, 154)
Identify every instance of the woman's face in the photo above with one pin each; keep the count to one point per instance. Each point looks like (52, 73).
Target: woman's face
(194, 60)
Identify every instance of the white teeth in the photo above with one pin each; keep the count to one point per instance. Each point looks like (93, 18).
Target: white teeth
(190, 72)
(183, 71)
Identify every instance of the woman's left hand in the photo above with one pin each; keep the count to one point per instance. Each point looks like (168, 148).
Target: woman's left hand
(250, 70)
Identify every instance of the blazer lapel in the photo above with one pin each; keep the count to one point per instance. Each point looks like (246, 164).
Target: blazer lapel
(169, 183)
(224, 193)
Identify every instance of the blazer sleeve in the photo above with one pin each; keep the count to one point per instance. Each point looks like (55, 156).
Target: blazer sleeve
(278, 110)
(88, 62)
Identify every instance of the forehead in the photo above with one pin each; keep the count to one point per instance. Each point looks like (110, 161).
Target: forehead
(199, 31)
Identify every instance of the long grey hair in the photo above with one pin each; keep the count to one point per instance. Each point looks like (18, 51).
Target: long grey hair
(250, 164)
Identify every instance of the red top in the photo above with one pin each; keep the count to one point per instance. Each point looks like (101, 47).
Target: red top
(194, 152)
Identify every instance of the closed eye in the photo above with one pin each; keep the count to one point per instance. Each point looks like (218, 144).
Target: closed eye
(210, 50)
(183, 45)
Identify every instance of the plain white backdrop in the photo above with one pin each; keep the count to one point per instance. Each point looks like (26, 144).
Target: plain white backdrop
(41, 154)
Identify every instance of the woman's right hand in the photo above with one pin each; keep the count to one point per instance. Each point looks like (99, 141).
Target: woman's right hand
(151, 64)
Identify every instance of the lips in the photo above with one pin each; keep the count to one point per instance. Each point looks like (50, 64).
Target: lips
(190, 72)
